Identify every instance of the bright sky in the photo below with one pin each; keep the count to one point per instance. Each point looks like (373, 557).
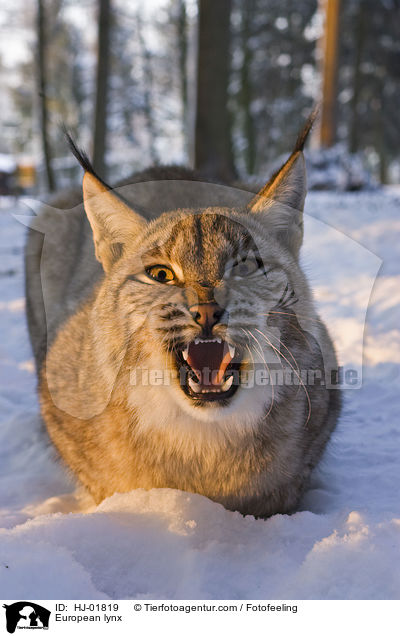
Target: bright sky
(16, 28)
(16, 38)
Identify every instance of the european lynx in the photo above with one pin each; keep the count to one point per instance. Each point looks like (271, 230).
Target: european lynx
(192, 357)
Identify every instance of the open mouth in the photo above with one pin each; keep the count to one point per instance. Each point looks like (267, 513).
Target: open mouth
(209, 369)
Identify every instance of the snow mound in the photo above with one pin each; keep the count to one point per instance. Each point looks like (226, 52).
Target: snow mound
(169, 544)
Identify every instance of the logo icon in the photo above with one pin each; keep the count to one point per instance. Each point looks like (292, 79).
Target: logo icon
(26, 615)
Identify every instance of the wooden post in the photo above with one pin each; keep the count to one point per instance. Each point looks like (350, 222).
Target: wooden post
(330, 72)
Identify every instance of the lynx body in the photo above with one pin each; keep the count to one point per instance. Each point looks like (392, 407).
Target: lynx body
(164, 338)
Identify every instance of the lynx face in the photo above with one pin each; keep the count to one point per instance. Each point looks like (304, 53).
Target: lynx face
(195, 301)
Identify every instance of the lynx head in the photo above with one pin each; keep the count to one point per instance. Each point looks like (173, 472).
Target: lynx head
(191, 292)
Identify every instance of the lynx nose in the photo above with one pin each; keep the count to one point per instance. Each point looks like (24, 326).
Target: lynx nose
(206, 314)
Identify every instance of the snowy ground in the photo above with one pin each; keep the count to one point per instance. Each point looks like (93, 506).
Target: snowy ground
(345, 541)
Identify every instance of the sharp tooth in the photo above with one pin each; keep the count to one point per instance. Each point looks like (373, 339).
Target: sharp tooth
(194, 386)
(185, 352)
(227, 384)
(219, 340)
(231, 351)
(196, 341)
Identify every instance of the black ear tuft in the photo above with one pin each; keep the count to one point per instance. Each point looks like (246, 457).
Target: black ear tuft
(78, 153)
(81, 155)
(305, 131)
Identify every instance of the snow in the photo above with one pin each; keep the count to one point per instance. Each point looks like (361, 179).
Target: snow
(7, 163)
(344, 543)
(336, 168)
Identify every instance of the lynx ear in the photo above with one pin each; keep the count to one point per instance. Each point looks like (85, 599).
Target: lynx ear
(287, 186)
(114, 223)
(281, 200)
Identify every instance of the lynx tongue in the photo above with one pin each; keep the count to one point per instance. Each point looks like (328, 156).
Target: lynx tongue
(209, 360)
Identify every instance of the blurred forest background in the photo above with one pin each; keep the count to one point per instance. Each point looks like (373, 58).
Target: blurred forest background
(221, 85)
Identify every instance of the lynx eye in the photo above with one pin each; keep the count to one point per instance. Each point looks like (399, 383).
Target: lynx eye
(245, 266)
(160, 273)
